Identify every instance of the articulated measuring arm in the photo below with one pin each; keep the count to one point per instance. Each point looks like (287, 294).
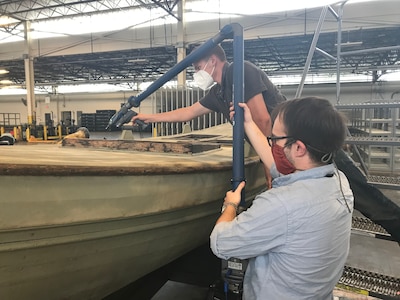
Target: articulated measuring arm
(134, 101)
(124, 115)
(230, 31)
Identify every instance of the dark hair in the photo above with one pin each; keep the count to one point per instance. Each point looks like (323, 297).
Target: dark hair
(316, 123)
(218, 51)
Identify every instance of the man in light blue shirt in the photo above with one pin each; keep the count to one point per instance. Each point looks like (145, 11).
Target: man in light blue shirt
(295, 235)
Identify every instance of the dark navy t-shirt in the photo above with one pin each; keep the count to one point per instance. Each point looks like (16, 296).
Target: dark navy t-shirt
(255, 82)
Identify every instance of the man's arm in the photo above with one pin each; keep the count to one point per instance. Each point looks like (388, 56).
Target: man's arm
(260, 114)
(183, 114)
(263, 121)
(257, 137)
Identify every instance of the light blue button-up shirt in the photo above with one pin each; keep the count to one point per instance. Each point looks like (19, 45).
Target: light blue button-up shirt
(295, 235)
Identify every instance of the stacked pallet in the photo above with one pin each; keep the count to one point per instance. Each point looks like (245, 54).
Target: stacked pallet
(97, 121)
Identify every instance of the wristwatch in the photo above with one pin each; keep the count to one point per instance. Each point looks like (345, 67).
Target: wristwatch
(228, 203)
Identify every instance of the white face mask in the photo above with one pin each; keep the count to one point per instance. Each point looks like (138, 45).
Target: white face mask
(203, 79)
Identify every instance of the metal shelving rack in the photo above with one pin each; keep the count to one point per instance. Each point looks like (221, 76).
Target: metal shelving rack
(375, 129)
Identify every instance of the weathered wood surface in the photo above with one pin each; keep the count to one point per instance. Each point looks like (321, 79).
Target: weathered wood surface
(143, 145)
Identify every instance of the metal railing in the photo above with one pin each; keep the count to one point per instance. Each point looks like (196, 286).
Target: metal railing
(172, 98)
(375, 129)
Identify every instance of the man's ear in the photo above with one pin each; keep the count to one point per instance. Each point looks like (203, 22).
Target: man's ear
(300, 148)
(213, 60)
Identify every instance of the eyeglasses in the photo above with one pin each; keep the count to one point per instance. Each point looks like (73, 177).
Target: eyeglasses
(272, 139)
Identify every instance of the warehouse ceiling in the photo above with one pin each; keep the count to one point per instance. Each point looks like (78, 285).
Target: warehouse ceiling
(277, 55)
(50, 9)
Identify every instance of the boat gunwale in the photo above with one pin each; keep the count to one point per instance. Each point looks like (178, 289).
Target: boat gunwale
(15, 169)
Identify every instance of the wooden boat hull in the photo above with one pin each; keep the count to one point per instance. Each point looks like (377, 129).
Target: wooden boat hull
(67, 233)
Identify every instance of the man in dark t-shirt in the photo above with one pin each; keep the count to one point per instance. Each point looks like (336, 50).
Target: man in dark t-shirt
(260, 94)
(255, 82)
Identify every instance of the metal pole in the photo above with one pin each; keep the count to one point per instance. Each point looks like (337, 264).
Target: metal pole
(326, 54)
(238, 96)
(181, 37)
(338, 53)
(29, 74)
(311, 51)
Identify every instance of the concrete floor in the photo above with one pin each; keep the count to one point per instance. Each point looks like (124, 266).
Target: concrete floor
(188, 276)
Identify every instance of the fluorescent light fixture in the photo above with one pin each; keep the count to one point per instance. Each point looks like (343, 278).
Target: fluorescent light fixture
(5, 81)
(349, 44)
(91, 88)
(4, 20)
(12, 90)
(138, 60)
(391, 76)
